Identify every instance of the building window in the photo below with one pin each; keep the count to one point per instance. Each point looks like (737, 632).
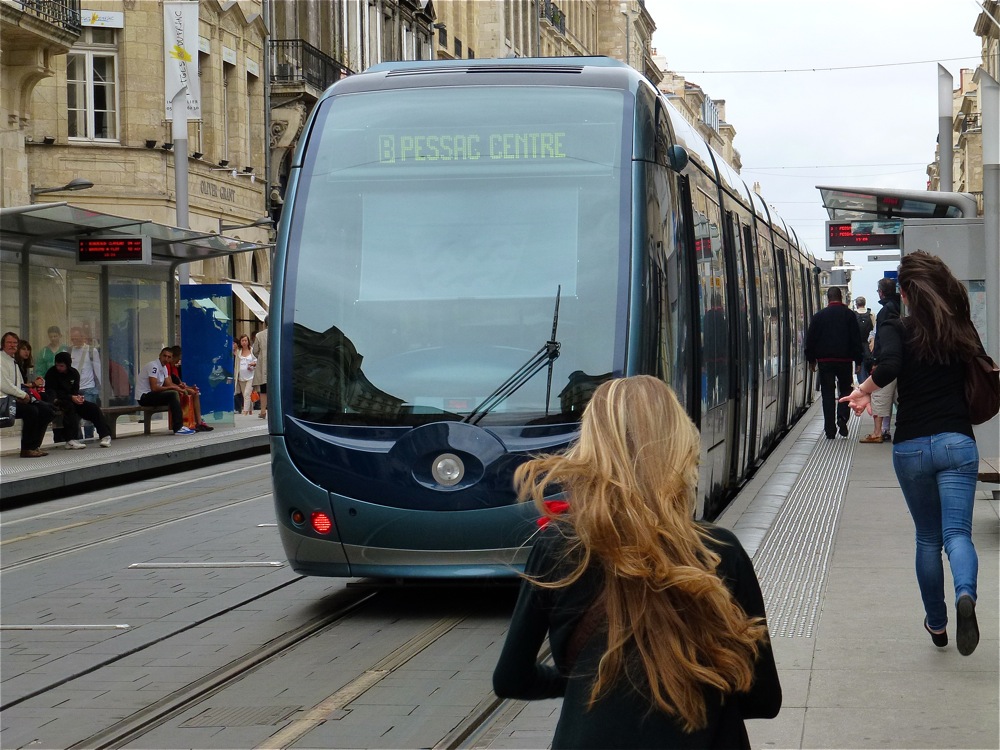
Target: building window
(442, 36)
(229, 97)
(458, 47)
(92, 86)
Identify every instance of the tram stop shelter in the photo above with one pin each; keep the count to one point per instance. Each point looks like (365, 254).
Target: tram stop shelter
(125, 308)
(892, 222)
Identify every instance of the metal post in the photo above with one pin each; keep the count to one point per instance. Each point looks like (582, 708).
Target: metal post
(628, 31)
(946, 143)
(268, 15)
(989, 94)
(180, 136)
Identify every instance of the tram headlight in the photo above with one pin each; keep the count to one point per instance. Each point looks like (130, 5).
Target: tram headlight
(447, 469)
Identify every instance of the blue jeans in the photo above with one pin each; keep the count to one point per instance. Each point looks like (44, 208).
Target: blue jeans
(937, 475)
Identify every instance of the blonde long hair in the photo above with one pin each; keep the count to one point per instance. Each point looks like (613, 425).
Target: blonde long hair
(631, 480)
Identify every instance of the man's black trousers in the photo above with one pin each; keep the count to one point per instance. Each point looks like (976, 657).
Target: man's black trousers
(834, 376)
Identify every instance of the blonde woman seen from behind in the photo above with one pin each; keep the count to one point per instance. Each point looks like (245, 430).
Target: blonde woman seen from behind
(656, 621)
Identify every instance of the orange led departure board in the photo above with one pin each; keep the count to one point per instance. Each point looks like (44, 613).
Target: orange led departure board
(116, 250)
(860, 235)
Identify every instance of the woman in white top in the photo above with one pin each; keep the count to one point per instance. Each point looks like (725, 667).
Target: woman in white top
(244, 366)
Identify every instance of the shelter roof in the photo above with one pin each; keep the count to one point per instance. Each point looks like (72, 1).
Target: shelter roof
(57, 226)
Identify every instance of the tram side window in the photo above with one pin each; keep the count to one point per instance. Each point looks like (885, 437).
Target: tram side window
(714, 318)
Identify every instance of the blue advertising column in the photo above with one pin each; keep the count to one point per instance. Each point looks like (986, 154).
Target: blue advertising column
(207, 347)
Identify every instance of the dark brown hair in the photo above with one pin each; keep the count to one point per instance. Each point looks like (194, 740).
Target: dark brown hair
(938, 319)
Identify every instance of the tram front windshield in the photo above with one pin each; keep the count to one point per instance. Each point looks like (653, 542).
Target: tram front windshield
(434, 231)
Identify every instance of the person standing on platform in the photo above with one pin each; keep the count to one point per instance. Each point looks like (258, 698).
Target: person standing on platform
(244, 367)
(86, 361)
(47, 357)
(35, 415)
(259, 350)
(155, 388)
(866, 324)
(655, 620)
(833, 342)
(934, 449)
(882, 401)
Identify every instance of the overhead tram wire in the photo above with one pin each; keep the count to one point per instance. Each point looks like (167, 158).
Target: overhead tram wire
(824, 69)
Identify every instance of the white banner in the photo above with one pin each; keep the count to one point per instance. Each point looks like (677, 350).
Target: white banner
(180, 55)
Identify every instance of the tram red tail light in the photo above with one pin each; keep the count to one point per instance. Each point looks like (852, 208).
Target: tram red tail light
(321, 523)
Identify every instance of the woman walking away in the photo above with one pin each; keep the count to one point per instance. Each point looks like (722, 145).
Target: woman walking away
(245, 364)
(934, 450)
(656, 621)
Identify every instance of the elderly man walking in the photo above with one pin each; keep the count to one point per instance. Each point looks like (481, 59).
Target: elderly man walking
(833, 342)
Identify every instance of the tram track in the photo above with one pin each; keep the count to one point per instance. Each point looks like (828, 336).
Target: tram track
(46, 556)
(487, 719)
(143, 721)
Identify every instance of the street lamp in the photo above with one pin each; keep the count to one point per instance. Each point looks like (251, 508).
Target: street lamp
(261, 222)
(75, 184)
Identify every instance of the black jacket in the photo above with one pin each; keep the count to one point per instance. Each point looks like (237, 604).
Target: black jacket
(623, 717)
(834, 336)
(931, 395)
(60, 386)
(890, 311)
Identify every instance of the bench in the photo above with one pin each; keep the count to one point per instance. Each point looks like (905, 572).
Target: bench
(111, 414)
(989, 470)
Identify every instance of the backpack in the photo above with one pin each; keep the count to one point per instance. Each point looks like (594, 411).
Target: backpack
(865, 323)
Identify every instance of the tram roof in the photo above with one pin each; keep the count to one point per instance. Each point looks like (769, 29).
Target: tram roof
(55, 227)
(599, 71)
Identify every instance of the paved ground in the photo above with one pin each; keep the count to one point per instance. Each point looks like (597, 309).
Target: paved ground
(833, 546)
(130, 455)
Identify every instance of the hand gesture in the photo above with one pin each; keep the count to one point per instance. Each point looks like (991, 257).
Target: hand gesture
(859, 401)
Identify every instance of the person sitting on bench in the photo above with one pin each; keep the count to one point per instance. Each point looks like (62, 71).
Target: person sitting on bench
(62, 389)
(155, 388)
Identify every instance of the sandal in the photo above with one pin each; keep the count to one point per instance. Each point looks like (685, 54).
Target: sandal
(871, 439)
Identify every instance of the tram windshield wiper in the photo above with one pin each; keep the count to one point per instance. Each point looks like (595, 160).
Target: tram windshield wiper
(547, 355)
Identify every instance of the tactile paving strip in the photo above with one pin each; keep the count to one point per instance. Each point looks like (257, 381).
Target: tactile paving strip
(794, 557)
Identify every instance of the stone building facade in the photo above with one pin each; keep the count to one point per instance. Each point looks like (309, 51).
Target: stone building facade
(94, 108)
(967, 125)
(706, 115)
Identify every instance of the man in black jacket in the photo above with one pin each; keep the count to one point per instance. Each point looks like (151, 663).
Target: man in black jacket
(833, 342)
(62, 388)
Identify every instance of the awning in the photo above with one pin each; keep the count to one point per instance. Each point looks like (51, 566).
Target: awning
(57, 226)
(249, 300)
(265, 296)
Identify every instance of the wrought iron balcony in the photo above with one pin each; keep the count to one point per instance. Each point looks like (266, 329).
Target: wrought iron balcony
(65, 14)
(553, 13)
(297, 61)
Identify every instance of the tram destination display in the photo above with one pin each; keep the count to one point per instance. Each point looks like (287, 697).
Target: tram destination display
(115, 250)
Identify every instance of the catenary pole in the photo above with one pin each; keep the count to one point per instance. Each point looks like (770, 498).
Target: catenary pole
(180, 136)
(945, 119)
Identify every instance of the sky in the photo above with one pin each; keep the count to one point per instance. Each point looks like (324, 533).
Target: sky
(872, 125)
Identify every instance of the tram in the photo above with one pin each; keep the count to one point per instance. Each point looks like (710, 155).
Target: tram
(467, 249)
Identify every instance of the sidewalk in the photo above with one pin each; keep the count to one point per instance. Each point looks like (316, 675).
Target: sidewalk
(833, 547)
(867, 676)
(130, 454)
